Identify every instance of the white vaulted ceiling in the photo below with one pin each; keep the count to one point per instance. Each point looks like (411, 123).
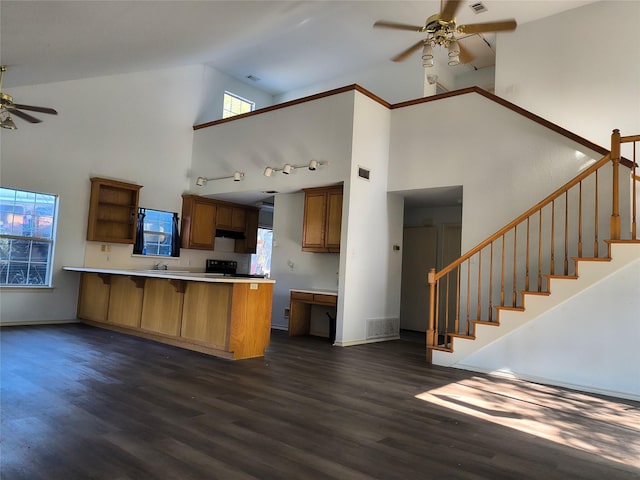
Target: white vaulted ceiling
(286, 44)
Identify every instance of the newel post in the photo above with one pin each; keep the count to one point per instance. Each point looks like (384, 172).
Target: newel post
(615, 206)
(431, 335)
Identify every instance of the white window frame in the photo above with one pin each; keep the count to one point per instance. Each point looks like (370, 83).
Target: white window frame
(7, 238)
(226, 113)
(153, 232)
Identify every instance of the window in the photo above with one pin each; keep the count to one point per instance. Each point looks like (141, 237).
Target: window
(27, 235)
(261, 260)
(235, 105)
(158, 234)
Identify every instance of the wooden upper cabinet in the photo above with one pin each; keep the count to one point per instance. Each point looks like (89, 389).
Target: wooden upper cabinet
(250, 242)
(198, 222)
(229, 217)
(322, 219)
(201, 217)
(113, 209)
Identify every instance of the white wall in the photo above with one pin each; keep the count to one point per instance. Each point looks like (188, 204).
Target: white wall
(318, 130)
(370, 275)
(566, 69)
(120, 127)
(494, 153)
(215, 83)
(589, 342)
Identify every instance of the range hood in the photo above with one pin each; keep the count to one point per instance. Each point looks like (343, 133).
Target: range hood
(230, 234)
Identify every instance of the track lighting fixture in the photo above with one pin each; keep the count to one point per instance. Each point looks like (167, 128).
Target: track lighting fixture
(288, 168)
(237, 176)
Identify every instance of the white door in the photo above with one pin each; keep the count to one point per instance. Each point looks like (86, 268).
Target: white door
(419, 252)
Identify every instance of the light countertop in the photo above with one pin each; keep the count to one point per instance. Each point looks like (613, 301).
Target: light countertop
(171, 274)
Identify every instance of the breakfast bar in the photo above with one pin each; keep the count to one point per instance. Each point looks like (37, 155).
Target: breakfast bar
(228, 317)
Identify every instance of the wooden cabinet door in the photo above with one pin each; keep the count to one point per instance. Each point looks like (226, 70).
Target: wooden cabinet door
(162, 306)
(125, 301)
(93, 300)
(313, 233)
(334, 220)
(206, 313)
(224, 215)
(202, 225)
(198, 223)
(250, 242)
(238, 219)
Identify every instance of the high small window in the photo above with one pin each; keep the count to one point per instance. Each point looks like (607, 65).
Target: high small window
(158, 235)
(27, 236)
(235, 105)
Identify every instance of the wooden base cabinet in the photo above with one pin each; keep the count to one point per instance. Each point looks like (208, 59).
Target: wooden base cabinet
(226, 319)
(206, 313)
(125, 300)
(162, 306)
(93, 300)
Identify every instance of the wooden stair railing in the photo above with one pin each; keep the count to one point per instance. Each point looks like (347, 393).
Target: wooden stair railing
(541, 243)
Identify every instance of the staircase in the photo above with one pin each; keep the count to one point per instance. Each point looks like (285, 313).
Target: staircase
(539, 261)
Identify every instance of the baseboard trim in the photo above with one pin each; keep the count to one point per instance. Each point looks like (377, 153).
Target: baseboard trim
(38, 322)
(550, 381)
(369, 340)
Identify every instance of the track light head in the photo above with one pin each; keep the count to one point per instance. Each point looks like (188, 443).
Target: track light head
(313, 165)
(200, 181)
(268, 171)
(287, 169)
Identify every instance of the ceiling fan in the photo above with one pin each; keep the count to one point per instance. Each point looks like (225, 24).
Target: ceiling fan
(7, 107)
(441, 30)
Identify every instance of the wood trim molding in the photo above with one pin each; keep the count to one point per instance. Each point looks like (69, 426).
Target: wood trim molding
(298, 101)
(463, 91)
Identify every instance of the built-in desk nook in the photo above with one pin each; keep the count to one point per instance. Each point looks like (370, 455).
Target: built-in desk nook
(300, 303)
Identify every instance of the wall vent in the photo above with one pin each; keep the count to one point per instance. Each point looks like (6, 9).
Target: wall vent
(383, 327)
(478, 7)
(253, 78)
(364, 173)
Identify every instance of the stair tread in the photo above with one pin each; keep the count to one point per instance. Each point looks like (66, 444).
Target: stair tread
(516, 309)
(622, 241)
(592, 259)
(442, 349)
(568, 277)
(486, 322)
(462, 335)
(534, 292)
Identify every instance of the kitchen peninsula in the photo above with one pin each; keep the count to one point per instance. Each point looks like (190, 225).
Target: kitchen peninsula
(228, 317)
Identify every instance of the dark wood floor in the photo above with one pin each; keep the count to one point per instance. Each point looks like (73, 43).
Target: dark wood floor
(84, 403)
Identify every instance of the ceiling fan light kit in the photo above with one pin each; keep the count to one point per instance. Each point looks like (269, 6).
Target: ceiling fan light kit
(442, 31)
(8, 107)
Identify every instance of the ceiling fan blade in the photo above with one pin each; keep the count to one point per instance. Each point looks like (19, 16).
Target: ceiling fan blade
(32, 108)
(25, 116)
(504, 26)
(402, 55)
(465, 55)
(449, 10)
(397, 26)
